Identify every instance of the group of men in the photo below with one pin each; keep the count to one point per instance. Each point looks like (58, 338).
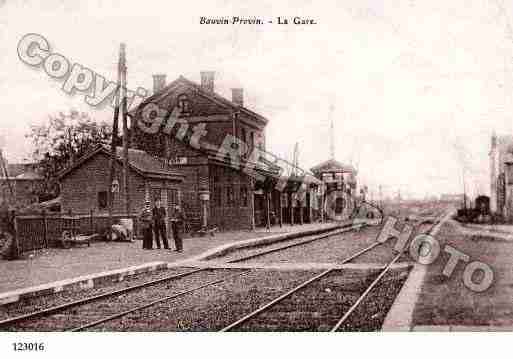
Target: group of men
(153, 223)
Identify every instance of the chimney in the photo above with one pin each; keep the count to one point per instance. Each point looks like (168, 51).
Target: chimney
(238, 96)
(159, 82)
(207, 80)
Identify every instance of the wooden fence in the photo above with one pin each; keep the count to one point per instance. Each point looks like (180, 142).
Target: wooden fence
(45, 230)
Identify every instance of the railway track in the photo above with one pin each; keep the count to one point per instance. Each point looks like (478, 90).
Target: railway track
(95, 310)
(57, 310)
(318, 309)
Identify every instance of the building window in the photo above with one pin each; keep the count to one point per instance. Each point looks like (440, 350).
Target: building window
(284, 200)
(244, 196)
(173, 197)
(156, 194)
(509, 174)
(243, 135)
(252, 142)
(102, 199)
(184, 105)
(244, 139)
(230, 200)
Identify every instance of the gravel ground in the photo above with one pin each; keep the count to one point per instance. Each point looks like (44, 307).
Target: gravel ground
(54, 264)
(29, 305)
(333, 249)
(77, 316)
(371, 313)
(243, 252)
(317, 307)
(214, 307)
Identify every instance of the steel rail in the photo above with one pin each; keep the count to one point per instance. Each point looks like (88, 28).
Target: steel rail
(157, 301)
(310, 240)
(364, 294)
(317, 277)
(118, 315)
(78, 302)
(58, 308)
(378, 278)
(294, 290)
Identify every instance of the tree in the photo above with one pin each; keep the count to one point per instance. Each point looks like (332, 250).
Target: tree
(61, 141)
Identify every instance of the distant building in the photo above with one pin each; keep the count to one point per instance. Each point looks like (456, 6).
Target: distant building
(21, 185)
(196, 122)
(501, 176)
(340, 187)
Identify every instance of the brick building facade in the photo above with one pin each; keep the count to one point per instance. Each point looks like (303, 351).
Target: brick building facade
(501, 176)
(85, 185)
(188, 123)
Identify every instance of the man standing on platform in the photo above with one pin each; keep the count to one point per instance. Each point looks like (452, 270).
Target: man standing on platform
(176, 224)
(146, 222)
(159, 224)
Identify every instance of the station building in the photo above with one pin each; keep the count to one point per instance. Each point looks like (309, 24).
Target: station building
(340, 188)
(213, 141)
(501, 176)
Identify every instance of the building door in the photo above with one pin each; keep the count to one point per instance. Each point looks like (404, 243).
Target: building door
(172, 199)
(339, 205)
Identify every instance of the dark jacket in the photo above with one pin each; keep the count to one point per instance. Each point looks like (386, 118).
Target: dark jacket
(146, 218)
(178, 216)
(159, 215)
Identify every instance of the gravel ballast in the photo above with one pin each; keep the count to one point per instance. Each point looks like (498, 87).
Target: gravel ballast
(80, 315)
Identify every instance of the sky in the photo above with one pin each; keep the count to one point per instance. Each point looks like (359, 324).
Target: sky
(417, 86)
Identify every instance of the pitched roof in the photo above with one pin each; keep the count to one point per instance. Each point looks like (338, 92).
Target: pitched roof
(333, 165)
(140, 161)
(29, 176)
(21, 171)
(17, 169)
(167, 90)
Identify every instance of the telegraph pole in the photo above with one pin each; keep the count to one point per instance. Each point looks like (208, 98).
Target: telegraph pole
(113, 153)
(464, 189)
(332, 134)
(6, 174)
(124, 111)
(9, 222)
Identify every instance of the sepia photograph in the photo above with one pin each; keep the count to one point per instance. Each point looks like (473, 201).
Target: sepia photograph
(268, 167)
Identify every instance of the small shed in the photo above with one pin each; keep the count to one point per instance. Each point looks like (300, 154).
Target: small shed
(85, 184)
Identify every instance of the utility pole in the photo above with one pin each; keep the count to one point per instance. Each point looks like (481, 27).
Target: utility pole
(296, 156)
(6, 174)
(464, 189)
(113, 153)
(332, 134)
(124, 117)
(8, 219)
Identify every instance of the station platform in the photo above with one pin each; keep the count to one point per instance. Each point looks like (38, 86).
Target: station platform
(431, 301)
(51, 269)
